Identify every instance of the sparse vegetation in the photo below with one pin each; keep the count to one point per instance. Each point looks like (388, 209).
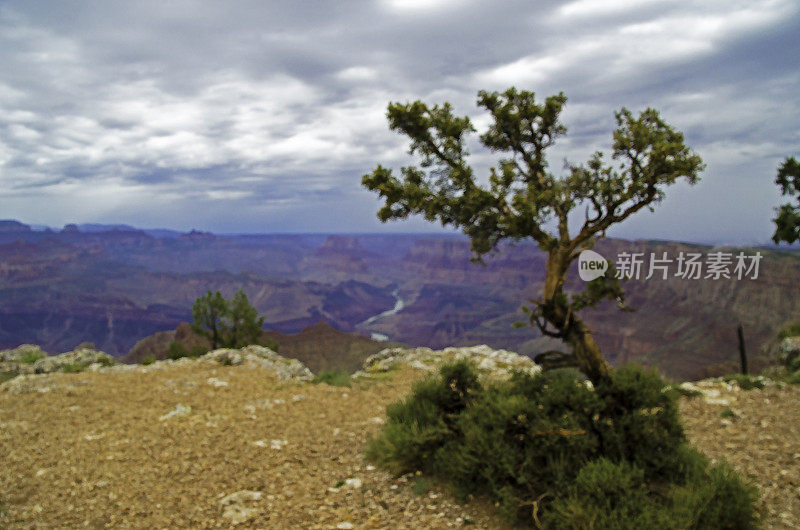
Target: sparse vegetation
(745, 382)
(148, 359)
(792, 330)
(727, 413)
(74, 367)
(333, 378)
(550, 449)
(31, 357)
(679, 390)
(5, 376)
(176, 350)
(421, 486)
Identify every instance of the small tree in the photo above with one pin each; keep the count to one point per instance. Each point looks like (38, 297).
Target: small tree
(787, 222)
(244, 323)
(230, 324)
(523, 197)
(209, 312)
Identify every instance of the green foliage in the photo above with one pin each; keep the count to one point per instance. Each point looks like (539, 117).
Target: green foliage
(794, 379)
(31, 357)
(787, 220)
(720, 498)
(792, 330)
(149, 359)
(208, 313)
(727, 413)
(228, 324)
(745, 382)
(5, 376)
(176, 350)
(106, 361)
(551, 448)
(333, 378)
(74, 367)
(421, 486)
(244, 323)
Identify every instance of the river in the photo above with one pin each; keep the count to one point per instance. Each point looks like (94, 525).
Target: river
(399, 304)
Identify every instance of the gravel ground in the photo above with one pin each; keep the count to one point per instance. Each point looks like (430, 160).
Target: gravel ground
(761, 440)
(204, 446)
(94, 452)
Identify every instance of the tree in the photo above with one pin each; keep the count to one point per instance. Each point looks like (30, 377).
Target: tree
(524, 198)
(209, 312)
(230, 324)
(244, 322)
(787, 222)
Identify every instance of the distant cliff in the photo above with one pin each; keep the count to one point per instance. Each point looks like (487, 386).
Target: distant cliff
(116, 287)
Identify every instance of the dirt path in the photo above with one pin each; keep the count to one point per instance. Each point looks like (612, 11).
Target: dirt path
(97, 450)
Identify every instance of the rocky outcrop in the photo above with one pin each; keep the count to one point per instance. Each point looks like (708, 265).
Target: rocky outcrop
(39, 376)
(31, 359)
(789, 353)
(487, 360)
(285, 369)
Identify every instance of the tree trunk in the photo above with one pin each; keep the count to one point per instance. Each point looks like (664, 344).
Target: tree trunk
(587, 351)
(556, 310)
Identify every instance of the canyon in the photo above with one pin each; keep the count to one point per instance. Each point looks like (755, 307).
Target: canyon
(116, 285)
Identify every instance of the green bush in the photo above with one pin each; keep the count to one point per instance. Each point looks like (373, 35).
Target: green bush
(792, 330)
(148, 359)
(31, 357)
(551, 448)
(333, 378)
(70, 368)
(745, 382)
(421, 486)
(176, 350)
(794, 379)
(5, 376)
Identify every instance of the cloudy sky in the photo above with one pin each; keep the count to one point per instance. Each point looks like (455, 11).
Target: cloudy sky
(248, 116)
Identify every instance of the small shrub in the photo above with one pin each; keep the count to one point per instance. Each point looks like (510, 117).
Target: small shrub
(718, 499)
(333, 378)
(727, 413)
(792, 330)
(148, 359)
(31, 357)
(106, 361)
(86, 346)
(74, 367)
(794, 379)
(745, 382)
(550, 448)
(176, 350)
(5, 376)
(421, 486)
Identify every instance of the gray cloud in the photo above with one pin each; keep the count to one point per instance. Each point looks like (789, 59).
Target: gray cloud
(179, 114)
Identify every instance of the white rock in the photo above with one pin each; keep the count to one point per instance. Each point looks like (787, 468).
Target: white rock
(277, 444)
(217, 383)
(344, 526)
(234, 506)
(353, 482)
(179, 411)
